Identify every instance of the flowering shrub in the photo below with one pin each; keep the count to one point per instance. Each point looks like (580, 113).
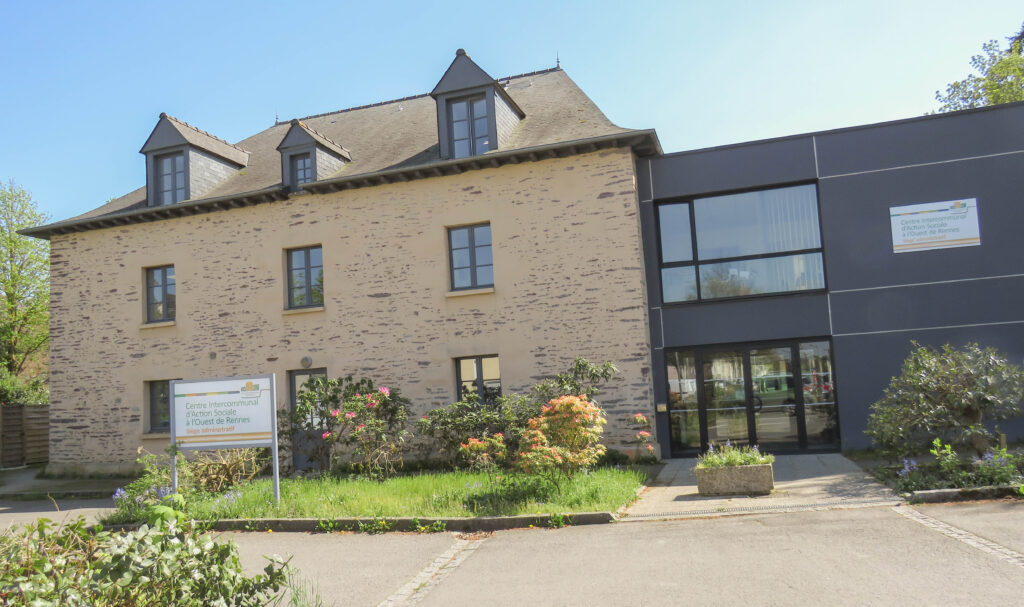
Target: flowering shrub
(728, 455)
(642, 425)
(995, 467)
(563, 439)
(369, 421)
(510, 414)
(484, 454)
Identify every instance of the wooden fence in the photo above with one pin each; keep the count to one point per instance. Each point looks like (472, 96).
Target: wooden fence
(24, 435)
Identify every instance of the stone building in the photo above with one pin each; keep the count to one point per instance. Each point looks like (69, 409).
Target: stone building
(478, 237)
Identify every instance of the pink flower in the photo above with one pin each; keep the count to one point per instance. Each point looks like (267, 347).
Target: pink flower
(336, 412)
(359, 395)
(350, 414)
(326, 435)
(371, 405)
(384, 390)
(360, 427)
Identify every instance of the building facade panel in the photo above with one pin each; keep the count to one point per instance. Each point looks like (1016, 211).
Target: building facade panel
(831, 352)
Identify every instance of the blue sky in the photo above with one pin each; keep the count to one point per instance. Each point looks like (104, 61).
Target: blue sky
(84, 82)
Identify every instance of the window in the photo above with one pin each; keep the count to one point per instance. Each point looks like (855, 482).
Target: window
(472, 264)
(305, 277)
(159, 394)
(304, 443)
(478, 375)
(468, 119)
(302, 170)
(737, 245)
(170, 178)
(160, 294)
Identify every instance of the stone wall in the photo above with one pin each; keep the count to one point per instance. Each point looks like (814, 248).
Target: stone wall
(568, 282)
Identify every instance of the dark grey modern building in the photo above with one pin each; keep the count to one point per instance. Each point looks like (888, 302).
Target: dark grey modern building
(787, 277)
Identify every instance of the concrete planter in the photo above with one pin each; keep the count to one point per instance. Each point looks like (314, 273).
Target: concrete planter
(735, 480)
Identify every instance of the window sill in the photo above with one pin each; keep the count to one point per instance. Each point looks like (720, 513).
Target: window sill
(157, 325)
(154, 435)
(466, 292)
(290, 311)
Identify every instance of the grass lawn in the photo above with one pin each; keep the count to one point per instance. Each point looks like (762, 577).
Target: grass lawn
(428, 495)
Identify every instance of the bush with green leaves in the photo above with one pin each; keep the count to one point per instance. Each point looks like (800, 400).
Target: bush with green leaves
(17, 391)
(451, 426)
(952, 394)
(164, 564)
(730, 455)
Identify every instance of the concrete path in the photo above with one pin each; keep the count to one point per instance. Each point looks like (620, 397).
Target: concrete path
(20, 483)
(863, 556)
(23, 512)
(802, 482)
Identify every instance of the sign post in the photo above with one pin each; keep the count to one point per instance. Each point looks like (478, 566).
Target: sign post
(225, 413)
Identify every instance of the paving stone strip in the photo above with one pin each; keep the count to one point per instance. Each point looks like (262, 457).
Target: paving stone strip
(431, 575)
(999, 551)
(702, 513)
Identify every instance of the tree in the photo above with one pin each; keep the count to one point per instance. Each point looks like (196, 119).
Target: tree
(24, 283)
(949, 394)
(1000, 78)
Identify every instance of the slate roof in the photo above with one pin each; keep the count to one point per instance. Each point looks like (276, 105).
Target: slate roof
(385, 139)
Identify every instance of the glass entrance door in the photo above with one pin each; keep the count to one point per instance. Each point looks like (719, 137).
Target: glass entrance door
(780, 396)
(725, 398)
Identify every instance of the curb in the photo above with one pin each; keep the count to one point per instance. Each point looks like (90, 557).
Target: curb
(937, 496)
(400, 523)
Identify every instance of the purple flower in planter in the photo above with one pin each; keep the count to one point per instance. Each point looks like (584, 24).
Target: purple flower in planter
(120, 494)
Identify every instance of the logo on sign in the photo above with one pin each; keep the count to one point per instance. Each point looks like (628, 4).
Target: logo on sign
(250, 390)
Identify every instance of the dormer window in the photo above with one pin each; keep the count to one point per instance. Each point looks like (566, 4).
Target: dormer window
(475, 114)
(170, 177)
(308, 155)
(302, 169)
(469, 127)
(185, 163)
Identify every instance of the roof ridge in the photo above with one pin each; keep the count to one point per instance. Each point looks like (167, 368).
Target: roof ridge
(410, 97)
(199, 130)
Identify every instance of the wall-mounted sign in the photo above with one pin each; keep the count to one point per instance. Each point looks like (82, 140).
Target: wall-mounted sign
(228, 413)
(935, 225)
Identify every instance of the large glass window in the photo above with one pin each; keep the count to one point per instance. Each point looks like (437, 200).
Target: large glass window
(738, 245)
(468, 119)
(305, 277)
(478, 375)
(161, 294)
(472, 263)
(170, 178)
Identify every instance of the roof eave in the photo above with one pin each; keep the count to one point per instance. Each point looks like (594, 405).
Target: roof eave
(146, 214)
(644, 142)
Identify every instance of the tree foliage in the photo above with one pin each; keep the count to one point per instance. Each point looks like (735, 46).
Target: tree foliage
(24, 283)
(999, 78)
(949, 394)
